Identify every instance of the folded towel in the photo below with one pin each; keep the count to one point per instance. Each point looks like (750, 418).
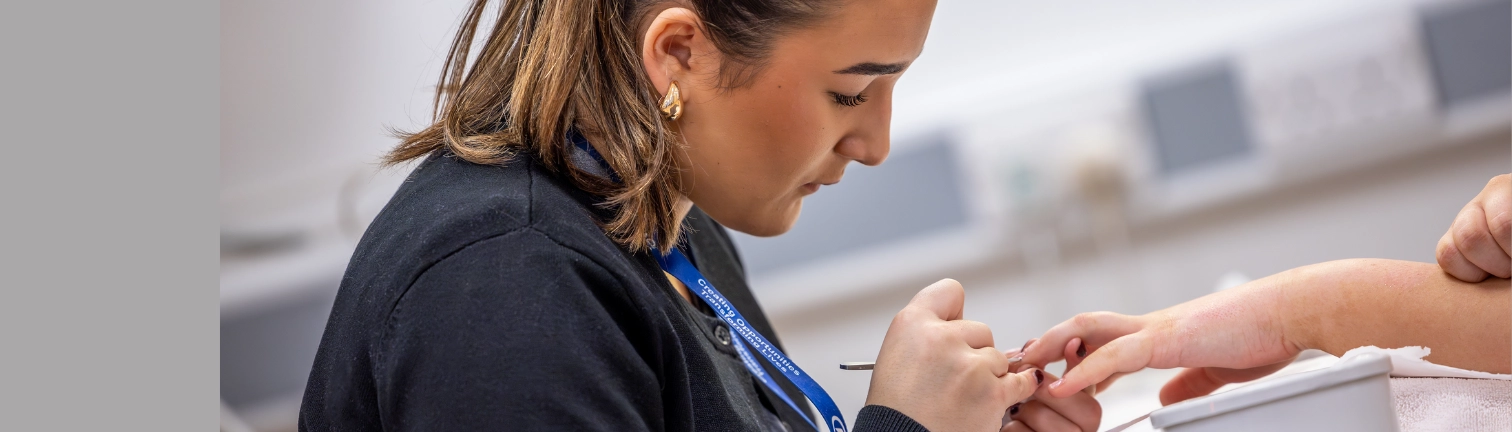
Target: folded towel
(1452, 404)
(1409, 362)
(1427, 397)
(1434, 397)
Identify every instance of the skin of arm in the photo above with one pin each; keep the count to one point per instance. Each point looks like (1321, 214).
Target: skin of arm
(1339, 305)
(1252, 330)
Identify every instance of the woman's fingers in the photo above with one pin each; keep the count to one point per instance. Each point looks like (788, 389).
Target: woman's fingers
(1126, 354)
(1022, 385)
(976, 334)
(944, 299)
(928, 369)
(1094, 328)
(995, 361)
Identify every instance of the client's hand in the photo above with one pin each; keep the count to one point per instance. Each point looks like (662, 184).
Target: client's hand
(1479, 242)
(943, 371)
(1247, 332)
(1231, 336)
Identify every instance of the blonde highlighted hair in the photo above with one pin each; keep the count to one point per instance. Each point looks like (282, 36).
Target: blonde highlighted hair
(549, 66)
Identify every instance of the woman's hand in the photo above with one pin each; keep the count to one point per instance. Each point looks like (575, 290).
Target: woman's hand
(1234, 335)
(943, 371)
(1078, 412)
(1479, 242)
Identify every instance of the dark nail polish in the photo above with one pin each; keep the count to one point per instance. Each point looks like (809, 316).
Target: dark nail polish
(1039, 376)
(1081, 349)
(1013, 410)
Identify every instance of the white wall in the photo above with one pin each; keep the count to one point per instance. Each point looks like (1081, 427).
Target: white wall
(308, 90)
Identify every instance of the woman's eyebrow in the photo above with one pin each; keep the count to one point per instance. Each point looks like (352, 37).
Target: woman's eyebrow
(869, 68)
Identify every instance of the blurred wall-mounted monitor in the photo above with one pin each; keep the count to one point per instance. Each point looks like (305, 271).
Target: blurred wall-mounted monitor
(916, 192)
(1195, 117)
(1470, 49)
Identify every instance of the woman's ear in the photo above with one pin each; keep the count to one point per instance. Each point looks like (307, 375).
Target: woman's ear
(675, 48)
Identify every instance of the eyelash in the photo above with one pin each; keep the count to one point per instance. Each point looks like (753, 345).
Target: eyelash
(848, 100)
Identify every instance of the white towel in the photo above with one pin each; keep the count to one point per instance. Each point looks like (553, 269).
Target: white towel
(1409, 362)
(1434, 397)
(1427, 397)
(1452, 404)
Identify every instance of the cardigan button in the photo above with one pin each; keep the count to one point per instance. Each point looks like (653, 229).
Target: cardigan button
(722, 333)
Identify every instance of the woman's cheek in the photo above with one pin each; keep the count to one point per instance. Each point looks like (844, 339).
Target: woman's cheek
(788, 127)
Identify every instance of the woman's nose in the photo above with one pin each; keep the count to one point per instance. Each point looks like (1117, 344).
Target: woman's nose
(871, 142)
(869, 152)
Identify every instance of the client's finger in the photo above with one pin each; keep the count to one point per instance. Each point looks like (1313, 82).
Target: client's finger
(1094, 328)
(1473, 238)
(1194, 382)
(1496, 203)
(1075, 351)
(1103, 386)
(1126, 354)
(1190, 383)
(1454, 262)
(1040, 418)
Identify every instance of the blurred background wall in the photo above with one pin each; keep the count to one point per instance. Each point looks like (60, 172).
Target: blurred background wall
(1055, 157)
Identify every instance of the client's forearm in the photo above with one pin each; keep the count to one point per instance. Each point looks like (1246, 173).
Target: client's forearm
(1339, 305)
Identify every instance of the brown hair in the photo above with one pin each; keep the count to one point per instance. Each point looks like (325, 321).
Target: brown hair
(552, 65)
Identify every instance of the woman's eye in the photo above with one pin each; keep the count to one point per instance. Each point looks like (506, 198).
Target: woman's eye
(849, 100)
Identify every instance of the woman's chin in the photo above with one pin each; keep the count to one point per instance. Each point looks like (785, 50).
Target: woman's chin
(763, 225)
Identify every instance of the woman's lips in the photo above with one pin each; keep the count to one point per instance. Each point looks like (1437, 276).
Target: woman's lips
(811, 187)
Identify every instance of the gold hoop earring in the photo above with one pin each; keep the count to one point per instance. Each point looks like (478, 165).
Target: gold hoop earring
(671, 104)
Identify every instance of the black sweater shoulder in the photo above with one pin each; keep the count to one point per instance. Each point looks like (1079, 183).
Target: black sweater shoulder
(471, 296)
(487, 297)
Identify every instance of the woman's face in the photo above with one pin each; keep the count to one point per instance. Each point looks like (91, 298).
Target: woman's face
(822, 99)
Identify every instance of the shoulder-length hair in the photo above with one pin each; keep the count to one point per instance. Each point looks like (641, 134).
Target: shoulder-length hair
(548, 66)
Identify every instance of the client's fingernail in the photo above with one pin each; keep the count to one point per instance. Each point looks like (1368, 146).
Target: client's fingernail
(1081, 348)
(1057, 383)
(1013, 410)
(1039, 377)
(1027, 344)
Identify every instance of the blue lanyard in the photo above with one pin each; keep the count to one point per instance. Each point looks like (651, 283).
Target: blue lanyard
(756, 371)
(677, 264)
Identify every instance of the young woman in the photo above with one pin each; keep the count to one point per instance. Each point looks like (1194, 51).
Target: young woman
(557, 259)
